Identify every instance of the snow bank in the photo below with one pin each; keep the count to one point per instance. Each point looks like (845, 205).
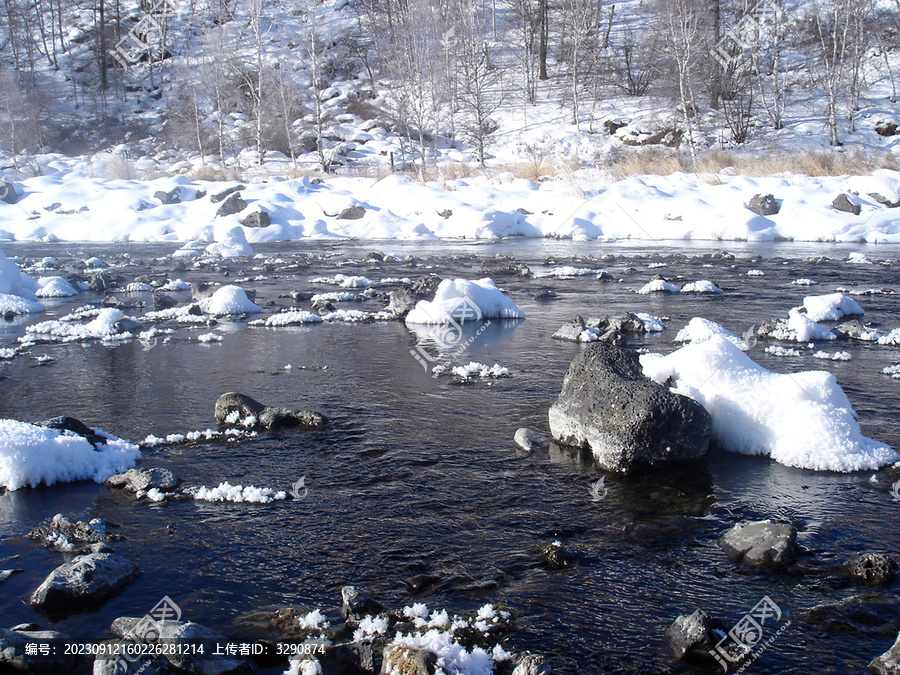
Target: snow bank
(67, 328)
(229, 300)
(31, 455)
(800, 419)
(230, 243)
(804, 329)
(458, 301)
(831, 307)
(226, 492)
(652, 324)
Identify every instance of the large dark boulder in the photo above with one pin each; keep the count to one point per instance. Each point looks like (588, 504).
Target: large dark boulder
(233, 204)
(695, 638)
(84, 582)
(627, 420)
(760, 544)
(258, 218)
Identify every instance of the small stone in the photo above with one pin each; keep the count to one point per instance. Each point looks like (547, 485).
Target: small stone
(764, 205)
(529, 439)
(354, 212)
(873, 569)
(356, 605)
(259, 218)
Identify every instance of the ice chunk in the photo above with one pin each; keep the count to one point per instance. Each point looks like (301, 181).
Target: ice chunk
(831, 307)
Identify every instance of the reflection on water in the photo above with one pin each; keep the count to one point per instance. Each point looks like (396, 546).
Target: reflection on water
(419, 476)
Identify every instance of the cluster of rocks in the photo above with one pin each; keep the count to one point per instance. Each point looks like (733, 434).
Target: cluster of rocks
(79, 537)
(609, 329)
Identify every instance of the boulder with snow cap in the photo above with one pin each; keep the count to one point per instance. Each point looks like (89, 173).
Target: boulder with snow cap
(85, 581)
(571, 331)
(760, 544)
(628, 421)
(75, 426)
(222, 195)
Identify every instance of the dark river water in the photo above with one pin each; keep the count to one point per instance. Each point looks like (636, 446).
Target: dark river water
(419, 475)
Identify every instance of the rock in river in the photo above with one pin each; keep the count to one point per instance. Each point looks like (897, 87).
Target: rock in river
(628, 421)
(760, 544)
(85, 581)
(234, 409)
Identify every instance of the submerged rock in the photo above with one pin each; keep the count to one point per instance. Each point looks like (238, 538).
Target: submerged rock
(627, 420)
(571, 331)
(499, 267)
(760, 544)
(137, 480)
(873, 569)
(85, 581)
(235, 409)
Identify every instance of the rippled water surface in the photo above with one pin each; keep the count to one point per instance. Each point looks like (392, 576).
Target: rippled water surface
(420, 476)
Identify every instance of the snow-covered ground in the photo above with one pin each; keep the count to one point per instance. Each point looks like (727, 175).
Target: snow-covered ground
(675, 207)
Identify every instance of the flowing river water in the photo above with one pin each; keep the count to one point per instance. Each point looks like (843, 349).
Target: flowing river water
(419, 475)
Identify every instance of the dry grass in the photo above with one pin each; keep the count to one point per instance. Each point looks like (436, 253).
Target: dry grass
(209, 173)
(664, 161)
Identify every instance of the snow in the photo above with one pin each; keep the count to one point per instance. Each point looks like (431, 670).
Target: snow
(67, 328)
(702, 286)
(836, 356)
(138, 287)
(804, 282)
(755, 273)
(566, 272)
(893, 371)
(701, 330)
(892, 338)
(479, 369)
(315, 619)
(452, 656)
(778, 350)
(175, 285)
(229, 300)
(804, 329)
(54, 287)
(344, 281)
(207, 338)
(226, 492)
(459, 300)
(679, 206)
(658, 286)
(799, 419)
(291, 317)
(31, 455)
(831, 307)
